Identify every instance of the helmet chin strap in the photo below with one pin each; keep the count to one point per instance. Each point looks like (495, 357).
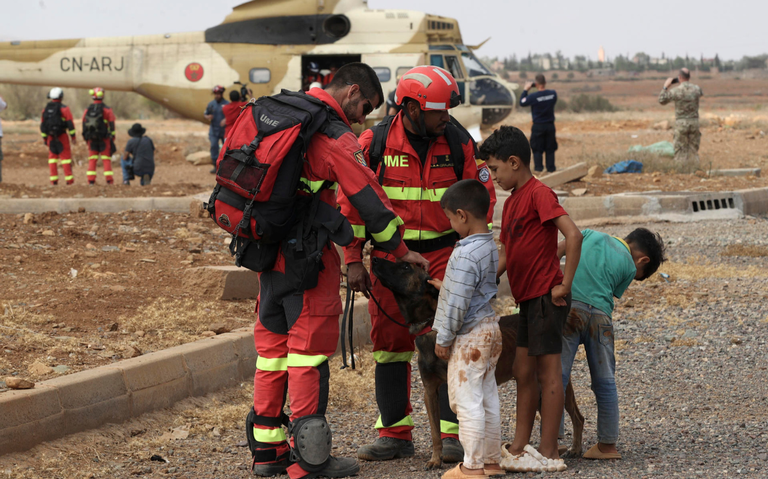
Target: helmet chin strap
(421, 128)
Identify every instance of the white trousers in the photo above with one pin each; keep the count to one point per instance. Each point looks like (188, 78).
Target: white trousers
(473, 393)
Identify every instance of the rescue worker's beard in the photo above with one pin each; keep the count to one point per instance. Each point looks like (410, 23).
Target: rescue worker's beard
(350, 110)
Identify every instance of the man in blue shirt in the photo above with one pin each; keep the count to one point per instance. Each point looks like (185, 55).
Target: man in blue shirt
(214, 114)
(542, 105)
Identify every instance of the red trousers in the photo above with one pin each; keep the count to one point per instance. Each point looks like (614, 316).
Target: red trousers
(294, 335)
(393, 348)
(65, 158)
(104, 155)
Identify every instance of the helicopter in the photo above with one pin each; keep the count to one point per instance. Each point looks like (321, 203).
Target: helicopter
(270, 45)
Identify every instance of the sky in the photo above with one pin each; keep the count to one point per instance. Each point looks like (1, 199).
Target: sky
(674, 28)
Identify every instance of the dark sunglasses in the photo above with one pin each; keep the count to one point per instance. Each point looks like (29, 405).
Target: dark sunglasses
(368, 107)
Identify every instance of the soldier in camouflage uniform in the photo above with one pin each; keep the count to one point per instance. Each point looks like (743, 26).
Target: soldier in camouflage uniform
(686, 98)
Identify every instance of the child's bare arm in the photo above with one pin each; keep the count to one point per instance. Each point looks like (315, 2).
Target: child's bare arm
(502, 262)
(573, 239)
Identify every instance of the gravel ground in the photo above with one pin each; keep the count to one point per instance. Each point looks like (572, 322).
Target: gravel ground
(691, 373)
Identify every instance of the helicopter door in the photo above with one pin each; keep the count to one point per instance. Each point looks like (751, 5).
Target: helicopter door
(453, 65)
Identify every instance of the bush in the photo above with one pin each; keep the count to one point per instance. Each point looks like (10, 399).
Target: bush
(570, 75)
(26, 102)
(561, 105)
(523, 75)
(590, 103)
(555, 76)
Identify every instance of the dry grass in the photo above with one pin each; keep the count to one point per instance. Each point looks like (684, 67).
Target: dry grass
(353, 388)
(643, 339)
(754, 251)
(699, 268)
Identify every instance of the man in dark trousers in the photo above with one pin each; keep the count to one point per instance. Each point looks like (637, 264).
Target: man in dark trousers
(543, 139)
(214, 114)
(141, 151)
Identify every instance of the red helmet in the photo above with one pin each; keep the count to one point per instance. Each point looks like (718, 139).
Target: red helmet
(97, 93)
(218, 89)
(433, 87)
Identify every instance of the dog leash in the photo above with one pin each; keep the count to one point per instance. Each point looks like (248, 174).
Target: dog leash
(349, 311)
(385, 313)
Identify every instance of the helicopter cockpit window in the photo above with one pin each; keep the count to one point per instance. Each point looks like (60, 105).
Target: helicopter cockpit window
(474, 67)
(436, 61)
(454, 67)
(259, 75)
(384, 74)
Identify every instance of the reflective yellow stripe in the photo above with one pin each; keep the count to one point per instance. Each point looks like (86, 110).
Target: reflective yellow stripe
(389, 357)
(109, 173)
(413, 194)
(72, 132)
(94, 157)
(69, 178)
(52, 160)
(388, 232)
(449, 427)
(105, 157)
(269, 435)
(314, 186)
(272, 364)
(490, 226)
(44, 135)
(424, 235)
(406, 421)
(54, 178)
(359, 231)
(90, 172)
(301, 360)
(66, 162)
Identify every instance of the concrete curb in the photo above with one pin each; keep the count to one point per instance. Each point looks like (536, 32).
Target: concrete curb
(179, 204)
(126, 389)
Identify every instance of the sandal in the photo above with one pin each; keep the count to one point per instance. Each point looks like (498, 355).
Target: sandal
(595, 453)
(519, 463)
(456, 473)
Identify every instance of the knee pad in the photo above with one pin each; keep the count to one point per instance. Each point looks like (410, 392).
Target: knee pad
(261, 452)
(312, 442)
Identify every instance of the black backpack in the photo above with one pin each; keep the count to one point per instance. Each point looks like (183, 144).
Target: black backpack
(53, 124)
(94, 126)
(455, 134)
(258, 178)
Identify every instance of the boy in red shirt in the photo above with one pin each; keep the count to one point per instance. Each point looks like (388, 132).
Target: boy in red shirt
(531, 219)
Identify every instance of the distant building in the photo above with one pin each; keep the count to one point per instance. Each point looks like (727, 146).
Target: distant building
(601, 54)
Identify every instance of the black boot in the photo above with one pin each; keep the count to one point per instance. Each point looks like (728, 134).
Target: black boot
(337, 467)
(386, 448)
(452, 450)
(271, 469)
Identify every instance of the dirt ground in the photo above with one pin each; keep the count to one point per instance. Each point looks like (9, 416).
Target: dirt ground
(85, 289)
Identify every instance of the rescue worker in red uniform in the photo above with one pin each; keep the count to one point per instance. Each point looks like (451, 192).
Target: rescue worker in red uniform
(297, 331)
(231, 111)
(99, 132)
(57, 127)
(418, 167)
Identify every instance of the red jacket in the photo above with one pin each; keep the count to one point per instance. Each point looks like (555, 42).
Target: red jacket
(338, 158)
(66, 115)
(109, 117)
(415, 191)
(231, 112)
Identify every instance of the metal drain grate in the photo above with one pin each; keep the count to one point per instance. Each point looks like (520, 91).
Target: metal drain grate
(709, 204)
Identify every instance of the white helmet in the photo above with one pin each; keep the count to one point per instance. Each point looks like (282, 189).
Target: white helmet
(56, 93)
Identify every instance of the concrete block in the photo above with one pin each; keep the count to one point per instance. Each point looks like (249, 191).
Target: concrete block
(673, 204)
(628, 205)
(242, 341)
(95, 415)
(89, 387)
(222, 282)
(736, 172)
(560, 177)
(177, 204)
(152, 369)
(587, 208)
(753, 201)
(205, 381)
(207, 354)
(28, 435)
(159, 397)
(28, 405)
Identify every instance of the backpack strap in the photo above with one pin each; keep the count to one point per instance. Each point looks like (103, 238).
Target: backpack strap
(457, 136)
(378, 144)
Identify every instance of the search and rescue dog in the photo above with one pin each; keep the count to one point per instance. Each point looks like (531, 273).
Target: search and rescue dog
(417, 301)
